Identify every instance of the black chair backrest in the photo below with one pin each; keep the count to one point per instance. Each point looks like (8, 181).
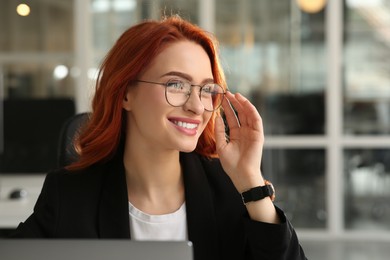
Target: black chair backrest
(66, 150)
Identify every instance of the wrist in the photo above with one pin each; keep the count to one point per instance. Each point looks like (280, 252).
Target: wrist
(247, 181)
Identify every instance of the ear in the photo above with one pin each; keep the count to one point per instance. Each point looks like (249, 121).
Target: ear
(127, 101)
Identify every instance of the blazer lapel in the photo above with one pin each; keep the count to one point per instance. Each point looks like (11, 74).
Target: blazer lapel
(114, 207)
(202, 228)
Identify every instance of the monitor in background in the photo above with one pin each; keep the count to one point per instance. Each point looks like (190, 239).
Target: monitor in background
(31, 129)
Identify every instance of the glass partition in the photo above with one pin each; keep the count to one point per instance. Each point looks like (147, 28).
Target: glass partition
(367, 193)
(299, 178)
(37, 82)
(278, 63)
(36, 50)
(110, 18)
(47, 27)
(274, 53)
(367, 68)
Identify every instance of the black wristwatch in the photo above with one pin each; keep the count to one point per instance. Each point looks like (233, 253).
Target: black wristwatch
(259, 193)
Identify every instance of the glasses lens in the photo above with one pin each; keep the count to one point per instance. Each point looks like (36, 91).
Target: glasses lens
(177, 92)
(211, 96)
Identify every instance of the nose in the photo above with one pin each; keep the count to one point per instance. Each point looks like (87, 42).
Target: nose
(194, 104)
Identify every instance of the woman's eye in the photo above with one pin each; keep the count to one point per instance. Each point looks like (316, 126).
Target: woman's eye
(175, 84)
(208, 90)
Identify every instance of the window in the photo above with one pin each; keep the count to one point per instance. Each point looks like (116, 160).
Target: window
(37, 78)
(279, 64)
(366, 111)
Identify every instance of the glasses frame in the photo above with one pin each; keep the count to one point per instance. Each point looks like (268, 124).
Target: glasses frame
(192, 85)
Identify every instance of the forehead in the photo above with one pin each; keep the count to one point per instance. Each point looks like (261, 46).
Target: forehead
(185, 57)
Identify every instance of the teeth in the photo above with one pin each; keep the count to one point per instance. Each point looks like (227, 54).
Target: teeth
(185, 125)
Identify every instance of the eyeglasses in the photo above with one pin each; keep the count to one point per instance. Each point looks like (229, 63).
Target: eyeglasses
(178, 92)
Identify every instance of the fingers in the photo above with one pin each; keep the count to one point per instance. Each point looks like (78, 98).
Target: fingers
(230, 115)
(220, 137)
(247, 112)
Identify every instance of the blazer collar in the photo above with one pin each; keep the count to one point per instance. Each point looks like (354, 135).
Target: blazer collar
(114, 207)
(201, 221)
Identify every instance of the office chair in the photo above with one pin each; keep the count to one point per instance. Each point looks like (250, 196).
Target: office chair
(66, 150)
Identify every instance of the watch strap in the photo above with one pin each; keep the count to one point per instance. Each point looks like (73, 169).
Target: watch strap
(258, 193)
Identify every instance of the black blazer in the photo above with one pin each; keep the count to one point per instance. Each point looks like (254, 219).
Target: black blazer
(93, 203)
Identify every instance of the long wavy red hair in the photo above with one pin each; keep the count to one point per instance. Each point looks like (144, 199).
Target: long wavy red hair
(130, 56)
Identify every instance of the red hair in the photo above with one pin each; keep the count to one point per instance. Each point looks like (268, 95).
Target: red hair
(128, 58)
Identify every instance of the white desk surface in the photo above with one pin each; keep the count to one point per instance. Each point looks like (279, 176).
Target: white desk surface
(14, 211)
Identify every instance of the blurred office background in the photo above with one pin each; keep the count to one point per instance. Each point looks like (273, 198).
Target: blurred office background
(317, 70)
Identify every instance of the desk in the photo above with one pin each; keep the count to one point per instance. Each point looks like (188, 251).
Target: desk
(346, 249)
(14, 211)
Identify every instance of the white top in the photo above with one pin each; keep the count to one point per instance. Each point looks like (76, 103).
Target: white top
(171, 226)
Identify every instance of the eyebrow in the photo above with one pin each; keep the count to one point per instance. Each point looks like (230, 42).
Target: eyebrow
(186, 76)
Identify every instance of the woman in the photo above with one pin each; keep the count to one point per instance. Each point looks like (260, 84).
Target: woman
(155, 162)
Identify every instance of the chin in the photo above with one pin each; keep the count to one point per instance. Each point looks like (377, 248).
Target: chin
(187, 149)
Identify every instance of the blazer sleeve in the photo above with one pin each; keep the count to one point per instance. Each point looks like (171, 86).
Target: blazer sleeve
(273, 241)
(43, 221)
(262, 240)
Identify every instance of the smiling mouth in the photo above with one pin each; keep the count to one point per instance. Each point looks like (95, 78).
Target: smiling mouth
(185, 124)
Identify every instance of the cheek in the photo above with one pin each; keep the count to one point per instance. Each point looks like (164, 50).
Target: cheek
(148, 106)
(153, 98)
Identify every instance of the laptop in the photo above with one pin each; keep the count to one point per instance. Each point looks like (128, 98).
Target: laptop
(97, 249)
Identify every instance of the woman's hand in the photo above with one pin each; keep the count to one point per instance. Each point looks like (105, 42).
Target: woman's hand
(241, 155)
